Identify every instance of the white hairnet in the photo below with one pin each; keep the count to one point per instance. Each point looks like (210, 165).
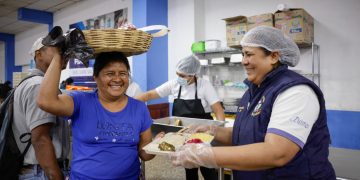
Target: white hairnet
(188, 66)
(36, 46)
(273, 40)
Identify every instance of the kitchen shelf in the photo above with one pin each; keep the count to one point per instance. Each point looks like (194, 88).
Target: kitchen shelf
(311, 70)
(223, 64)
(221, 52)
(315, 52)
(314, 73)
(219, 73)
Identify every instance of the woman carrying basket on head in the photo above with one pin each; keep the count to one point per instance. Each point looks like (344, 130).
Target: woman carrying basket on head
(109, 128)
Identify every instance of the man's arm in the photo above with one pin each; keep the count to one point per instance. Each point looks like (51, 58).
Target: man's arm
(45, 151)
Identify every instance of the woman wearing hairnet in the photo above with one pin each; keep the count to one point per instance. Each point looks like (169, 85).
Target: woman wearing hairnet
(280, 131)
(193, 97)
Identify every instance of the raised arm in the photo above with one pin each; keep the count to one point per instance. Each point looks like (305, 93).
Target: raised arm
(48, 99)
(149, 95)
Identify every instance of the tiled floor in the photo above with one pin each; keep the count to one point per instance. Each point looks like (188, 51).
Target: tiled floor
(160, 168)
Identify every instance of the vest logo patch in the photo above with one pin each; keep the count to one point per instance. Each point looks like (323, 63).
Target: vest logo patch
(240, 108)
(257, 109)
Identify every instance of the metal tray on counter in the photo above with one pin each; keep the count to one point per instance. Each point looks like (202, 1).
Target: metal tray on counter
(168, 124)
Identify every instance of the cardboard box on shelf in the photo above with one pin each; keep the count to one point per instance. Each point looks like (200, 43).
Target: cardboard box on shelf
(236, 27)
(297, 24)
(260, 20)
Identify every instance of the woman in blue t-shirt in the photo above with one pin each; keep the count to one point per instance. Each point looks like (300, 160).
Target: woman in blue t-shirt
(109, 128)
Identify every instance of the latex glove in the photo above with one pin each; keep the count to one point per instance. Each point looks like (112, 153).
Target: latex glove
(193, 156)
(194, 128)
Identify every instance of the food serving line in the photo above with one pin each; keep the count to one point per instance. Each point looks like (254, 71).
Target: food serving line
(175, 124)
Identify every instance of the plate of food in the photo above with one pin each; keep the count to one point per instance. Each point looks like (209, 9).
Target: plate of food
(173, 141)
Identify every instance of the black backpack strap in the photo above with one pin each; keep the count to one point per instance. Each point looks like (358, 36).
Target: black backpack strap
(27, 77)
(28, 141)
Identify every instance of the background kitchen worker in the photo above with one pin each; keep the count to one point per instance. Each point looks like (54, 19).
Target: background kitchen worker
(194, 97)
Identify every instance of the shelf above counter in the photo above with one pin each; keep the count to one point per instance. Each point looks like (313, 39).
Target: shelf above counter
(221, 52)
(222, 64)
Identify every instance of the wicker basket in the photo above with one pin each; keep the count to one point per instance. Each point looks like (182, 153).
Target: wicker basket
(130, 42)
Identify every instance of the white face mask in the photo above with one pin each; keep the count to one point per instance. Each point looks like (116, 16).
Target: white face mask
(182, 81)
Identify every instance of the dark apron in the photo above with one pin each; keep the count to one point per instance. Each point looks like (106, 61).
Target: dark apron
(193, 109)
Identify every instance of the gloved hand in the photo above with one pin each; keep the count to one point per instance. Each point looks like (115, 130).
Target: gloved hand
(210, 129)
(159, 136)
(194, 155)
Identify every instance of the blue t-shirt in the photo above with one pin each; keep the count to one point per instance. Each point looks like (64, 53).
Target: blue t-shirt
(105, 144)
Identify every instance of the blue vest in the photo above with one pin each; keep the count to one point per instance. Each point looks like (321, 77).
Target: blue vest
(252, 120)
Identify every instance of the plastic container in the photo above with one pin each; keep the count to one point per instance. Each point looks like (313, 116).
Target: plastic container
(211, 45)
(198, 47)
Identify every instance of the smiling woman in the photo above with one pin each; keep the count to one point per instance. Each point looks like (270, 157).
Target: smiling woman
(111, 74)
(258, 62)
(280, 130)
(109, 128)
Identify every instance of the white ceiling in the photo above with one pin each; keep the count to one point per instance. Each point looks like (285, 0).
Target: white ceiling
(9, 9)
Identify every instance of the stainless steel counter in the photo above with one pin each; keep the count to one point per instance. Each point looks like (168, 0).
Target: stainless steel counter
(168, 124)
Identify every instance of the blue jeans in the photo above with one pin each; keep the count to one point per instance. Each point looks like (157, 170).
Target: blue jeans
(36, 173)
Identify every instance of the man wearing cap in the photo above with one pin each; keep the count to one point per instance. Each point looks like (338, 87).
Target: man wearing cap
(46, 157)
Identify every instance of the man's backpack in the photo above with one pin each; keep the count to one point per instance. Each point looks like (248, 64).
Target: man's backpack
(11, 159)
